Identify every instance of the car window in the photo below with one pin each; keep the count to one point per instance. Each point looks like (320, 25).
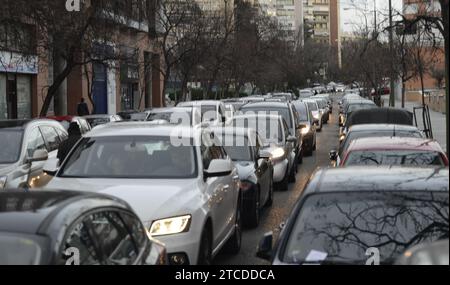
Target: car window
(80, 240)
(62, 135)
(11, 142)
(35, 141)
(115, 241)
(136, 229)
(51, 138)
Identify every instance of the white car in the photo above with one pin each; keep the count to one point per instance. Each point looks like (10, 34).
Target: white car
(178, 179)
(213, 112)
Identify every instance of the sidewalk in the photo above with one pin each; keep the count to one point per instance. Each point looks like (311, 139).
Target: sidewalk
(437, 121)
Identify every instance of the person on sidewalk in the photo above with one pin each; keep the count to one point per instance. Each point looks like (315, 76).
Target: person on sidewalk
(82, 108)
(66, 146)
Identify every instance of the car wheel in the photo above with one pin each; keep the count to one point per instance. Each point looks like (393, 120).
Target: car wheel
(293, 172)
(252, 220)
(284, 184)
(205, 252)
(300, 158)
(269, 202)
(233, 245)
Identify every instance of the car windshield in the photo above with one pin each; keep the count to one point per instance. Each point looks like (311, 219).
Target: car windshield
(176, 117)
(339, 228)
(394, 157)
(354, 107)
(19, 250)
(302, 112)
(237, 147)
(312, 106)
(270, 130)
(97, 121)
(11, 143)
(130, 157)
(283, 112)
(378, 133)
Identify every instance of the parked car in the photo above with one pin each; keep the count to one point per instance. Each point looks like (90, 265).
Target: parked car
(188, 116)
(436, 253)
(308, 130)
(340, 88)
(255, 170)
(65, 121)
(374, 130)
(178, 179)
(344, 213)
(25, 147)
(354, 105)
(96, 120)
(73, 228)
(288, 112)
(213, 112)
(394, 151)
(276, 139)
(285, 97)
(316, 113)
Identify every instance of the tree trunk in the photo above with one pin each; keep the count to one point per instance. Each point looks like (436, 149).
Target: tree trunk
(53, 89)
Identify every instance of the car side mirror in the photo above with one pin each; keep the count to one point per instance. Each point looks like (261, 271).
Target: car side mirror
(38, 155)
(291, 139)
(218, 168)
(51, 167)
(265, 247)
(333, 155)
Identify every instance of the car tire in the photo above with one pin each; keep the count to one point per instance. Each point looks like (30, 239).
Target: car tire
(300, 158)
(314, 148)
(292, 174)
(205, 252)
(233, 245)
(284, 184)
(253, 218)
(269, 202)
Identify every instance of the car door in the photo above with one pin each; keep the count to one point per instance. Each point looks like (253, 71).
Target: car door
(262, 172)
(290, 146)
(35, 141)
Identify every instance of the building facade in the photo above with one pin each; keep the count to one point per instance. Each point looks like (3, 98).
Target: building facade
(107, 87)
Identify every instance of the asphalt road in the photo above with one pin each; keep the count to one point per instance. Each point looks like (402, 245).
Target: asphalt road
(284, 201)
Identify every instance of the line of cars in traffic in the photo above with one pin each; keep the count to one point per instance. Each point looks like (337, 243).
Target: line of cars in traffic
(384, 202)
(173, 172)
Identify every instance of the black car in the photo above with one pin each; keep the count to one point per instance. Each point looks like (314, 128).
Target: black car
(255, 170)
(360, 216)
(308, 127)
(71, 228)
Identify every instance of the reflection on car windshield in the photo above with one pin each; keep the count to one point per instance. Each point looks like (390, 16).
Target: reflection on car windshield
(11, 143)
(130, 157)
(283, 112)
(344, 226)
(394, 157)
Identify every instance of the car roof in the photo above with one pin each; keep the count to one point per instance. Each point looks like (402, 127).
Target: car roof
(266, 104)
(140, 128)
(97, 116)
(170, 109)
(382, 127)
(29, 210)
(271, 116)
(382, 178)
(394, 143)
(199, 103)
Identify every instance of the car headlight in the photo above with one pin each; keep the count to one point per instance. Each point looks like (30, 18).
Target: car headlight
(316, 115)
(306, 130)
(170, 226)
(2, 182)
(278, 153)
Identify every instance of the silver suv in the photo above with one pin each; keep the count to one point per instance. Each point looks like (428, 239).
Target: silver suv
(25, 147)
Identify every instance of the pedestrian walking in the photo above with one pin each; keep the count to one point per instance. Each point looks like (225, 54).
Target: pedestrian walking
(66, 146)
(82, 108)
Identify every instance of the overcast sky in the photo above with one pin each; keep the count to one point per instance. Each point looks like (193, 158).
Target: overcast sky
(359, 10)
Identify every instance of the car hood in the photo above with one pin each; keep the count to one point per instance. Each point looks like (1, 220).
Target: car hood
(246, 170)
(150, 199)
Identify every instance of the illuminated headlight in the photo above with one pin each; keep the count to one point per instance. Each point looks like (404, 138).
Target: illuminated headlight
(278, 153)
(316, 115)
(306, 130)
(2, 182)
(342, 138)
(170, 226)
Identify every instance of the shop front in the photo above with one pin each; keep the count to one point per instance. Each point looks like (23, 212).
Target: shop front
(16, 89)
